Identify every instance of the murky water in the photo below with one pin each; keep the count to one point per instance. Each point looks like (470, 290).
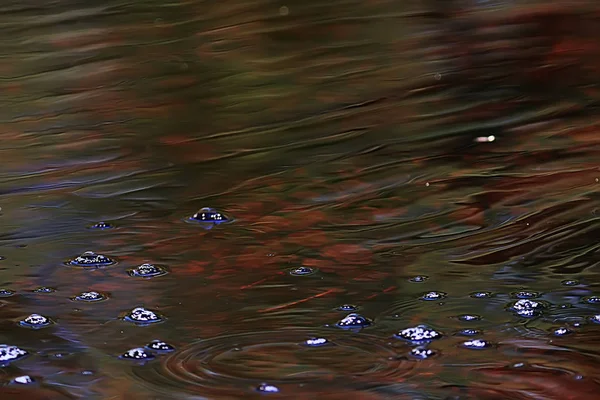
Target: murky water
(401, 200)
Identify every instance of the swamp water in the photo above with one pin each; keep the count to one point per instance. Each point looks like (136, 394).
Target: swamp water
(332, 200)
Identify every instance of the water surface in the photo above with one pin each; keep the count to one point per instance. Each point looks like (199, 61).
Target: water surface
(416, 163)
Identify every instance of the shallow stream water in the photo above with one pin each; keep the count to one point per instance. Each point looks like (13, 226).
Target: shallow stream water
(422, 164)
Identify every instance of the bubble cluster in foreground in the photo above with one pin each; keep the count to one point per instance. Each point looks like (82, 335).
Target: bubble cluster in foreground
(353, 320)
(91, 259)
(147, 270)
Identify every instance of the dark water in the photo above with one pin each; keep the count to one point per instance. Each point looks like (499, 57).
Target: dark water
(429, 162)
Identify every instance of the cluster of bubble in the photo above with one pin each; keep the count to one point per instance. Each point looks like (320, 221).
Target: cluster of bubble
(207, 217)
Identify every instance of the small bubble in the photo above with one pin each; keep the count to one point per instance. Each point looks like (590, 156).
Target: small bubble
(35, 321)
(137, 354)
(422, 353)
(481, 295)
(101, 226)
(437, 76)
(469, 317)
(6, 292)
(23, 380)
(160, 346)
(302, 271)
(469, 332)
(418, 334)
(595, 319)
(90, 297)
(562, 331)
(10, 353)
(44, 289)
(210, 216)
(570, 282)
(432, 296)
(353, 320)
(266, 388)
(526, 308)
(283, 11)
(147, 270)
(418, 278)
(525, 295)
(316, 342)
(591, 299)
(142, 316)
(476, 344)
(91, 259)
(347, 307)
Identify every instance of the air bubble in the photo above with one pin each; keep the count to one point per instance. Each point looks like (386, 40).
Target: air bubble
(591, 299)
(266, 388)
(347, 307)
(44, 289)
(432, 296)
(481, 295)
(142, 316)
(418, 278)
(418, 334)
(90, 297)
(101, 226)
(422, 353)
(35, 321)
(91, 259)
(302, 271)
(354, 321)
(10, 353)
(570, 282)
(6, 292)
(525, 295)
(159, 345)
(526, 308)
(209, 217)
(476, 344)
(562, 331)
(316, 342)
(469, 317)
(469, 332)
(137, 354)
(147, 270)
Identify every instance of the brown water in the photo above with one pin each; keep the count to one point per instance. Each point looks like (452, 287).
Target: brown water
(338, 136)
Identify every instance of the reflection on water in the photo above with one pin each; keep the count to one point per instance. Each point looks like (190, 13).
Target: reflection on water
(256, 176)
